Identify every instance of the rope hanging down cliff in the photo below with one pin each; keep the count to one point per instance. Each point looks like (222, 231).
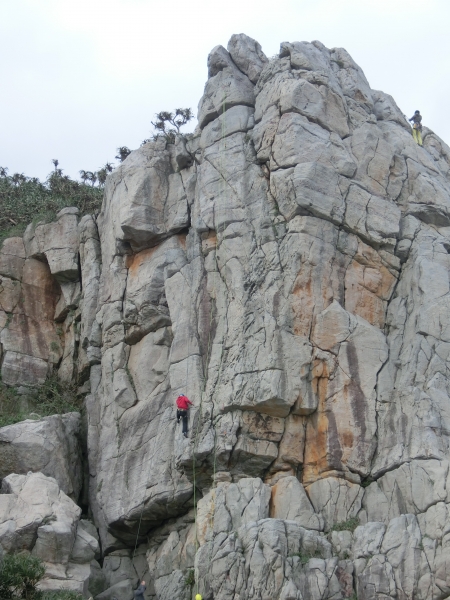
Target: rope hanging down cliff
(208, 356)
(200, 411)
(186, 381)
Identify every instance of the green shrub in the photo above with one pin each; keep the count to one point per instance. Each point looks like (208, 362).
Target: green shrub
(190, 578)
(306, 556)
(26, 199)
(57, 397)
(168, 124)
(349, 525)
(367, 481)
(53, 397)
(19, 575)
(10, 411)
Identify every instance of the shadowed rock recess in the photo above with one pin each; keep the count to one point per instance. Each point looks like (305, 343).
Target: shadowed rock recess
(287, 268)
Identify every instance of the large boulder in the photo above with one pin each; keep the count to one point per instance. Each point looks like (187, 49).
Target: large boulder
(35, 515)
(149, 196)
(58, 242)
(50, 445)
(247, 54)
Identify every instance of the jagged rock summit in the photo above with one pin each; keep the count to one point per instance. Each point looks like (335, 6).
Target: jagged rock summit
(287, 267)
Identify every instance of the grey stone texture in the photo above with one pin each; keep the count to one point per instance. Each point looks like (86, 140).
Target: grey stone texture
(50, 445)
(286, 266)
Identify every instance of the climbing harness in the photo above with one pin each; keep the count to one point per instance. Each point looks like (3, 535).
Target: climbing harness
(417, 134)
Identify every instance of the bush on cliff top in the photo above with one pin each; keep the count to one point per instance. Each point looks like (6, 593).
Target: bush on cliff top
(168, 124)
(52, 398)
(26, 199)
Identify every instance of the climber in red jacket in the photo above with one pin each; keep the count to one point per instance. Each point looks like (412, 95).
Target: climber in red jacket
(183, 404)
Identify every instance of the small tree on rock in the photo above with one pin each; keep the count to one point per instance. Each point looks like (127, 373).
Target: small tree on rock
(84, 175)
(122, 153)
(18, 178)
(101, 175)
(168, 124)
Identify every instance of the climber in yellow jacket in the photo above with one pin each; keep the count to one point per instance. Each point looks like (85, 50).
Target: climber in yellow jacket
(417, 127)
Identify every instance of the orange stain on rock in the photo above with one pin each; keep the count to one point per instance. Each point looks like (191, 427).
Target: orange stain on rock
(366, 290)
(209, 242)
(134, 261)
(302, 304)
(316, 444)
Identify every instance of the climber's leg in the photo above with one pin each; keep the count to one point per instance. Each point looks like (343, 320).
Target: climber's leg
(184, 416)
(419, 137)
(415, 132)
(178, 415)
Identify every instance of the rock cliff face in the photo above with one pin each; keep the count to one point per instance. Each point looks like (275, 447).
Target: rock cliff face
(287, 267)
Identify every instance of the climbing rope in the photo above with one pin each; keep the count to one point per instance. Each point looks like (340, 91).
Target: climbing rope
(139, 530)
(186, 382)
(205, 378)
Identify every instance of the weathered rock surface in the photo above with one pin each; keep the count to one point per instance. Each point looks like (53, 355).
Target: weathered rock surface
(28, 296)
(287, 267)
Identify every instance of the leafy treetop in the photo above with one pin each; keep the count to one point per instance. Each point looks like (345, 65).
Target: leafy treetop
(168, 124)
(122, 153)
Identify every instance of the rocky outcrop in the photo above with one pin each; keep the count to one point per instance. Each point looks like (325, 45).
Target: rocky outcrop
(29, 294)
(287, 267)
(36, 516)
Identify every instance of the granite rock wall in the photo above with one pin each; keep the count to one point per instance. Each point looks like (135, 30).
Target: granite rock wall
(287, 267)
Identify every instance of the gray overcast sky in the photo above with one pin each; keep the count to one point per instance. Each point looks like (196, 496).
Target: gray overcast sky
(78, 78)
